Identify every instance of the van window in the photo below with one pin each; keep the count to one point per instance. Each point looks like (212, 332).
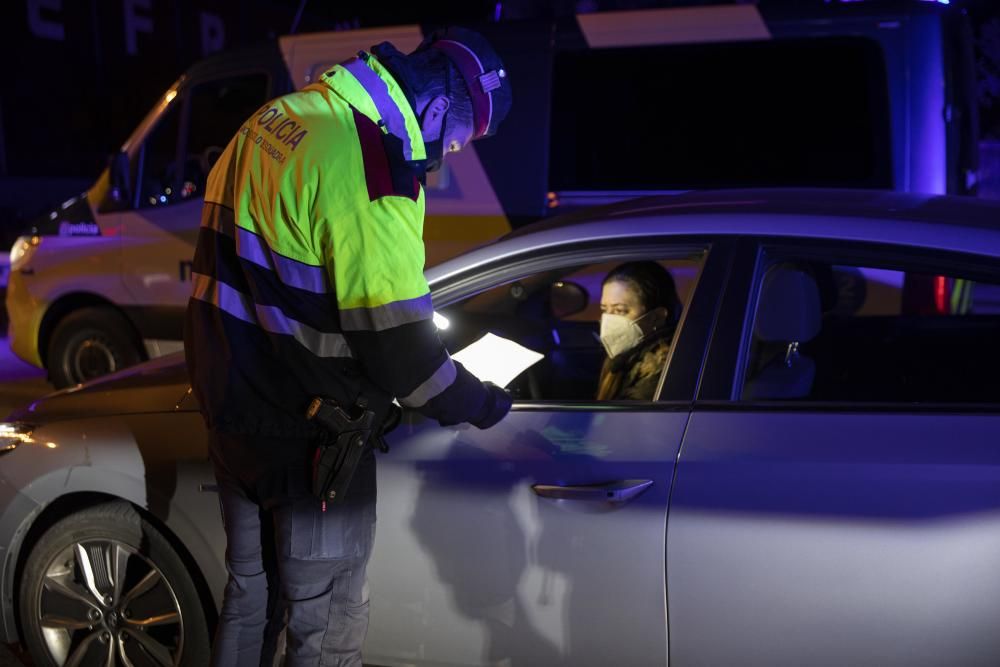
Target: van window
(785, 112)
(217, 109)
(154, 168)
(172, 167)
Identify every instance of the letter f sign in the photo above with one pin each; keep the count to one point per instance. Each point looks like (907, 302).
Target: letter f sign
(136, 23)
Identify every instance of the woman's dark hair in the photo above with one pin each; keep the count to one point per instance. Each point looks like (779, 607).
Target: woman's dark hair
(432, 74)
(653, 283)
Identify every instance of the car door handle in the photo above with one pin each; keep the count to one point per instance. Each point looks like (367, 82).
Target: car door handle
(618, 492)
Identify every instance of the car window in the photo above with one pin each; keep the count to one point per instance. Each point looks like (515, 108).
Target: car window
(846, 332)
(557, 312)
(172, 168)
(155, 167)
(216, 111)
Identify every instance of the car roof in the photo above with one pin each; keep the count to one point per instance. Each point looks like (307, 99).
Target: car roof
(948, 223)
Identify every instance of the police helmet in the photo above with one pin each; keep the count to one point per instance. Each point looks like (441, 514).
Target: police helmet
(484, 75)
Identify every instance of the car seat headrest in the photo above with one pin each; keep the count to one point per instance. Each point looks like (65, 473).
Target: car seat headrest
(789, 307)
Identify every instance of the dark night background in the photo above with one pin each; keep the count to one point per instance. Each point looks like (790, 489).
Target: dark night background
(76, 83)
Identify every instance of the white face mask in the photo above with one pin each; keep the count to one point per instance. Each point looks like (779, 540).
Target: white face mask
(619, 334)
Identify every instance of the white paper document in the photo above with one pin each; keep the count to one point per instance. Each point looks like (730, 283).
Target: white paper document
(497, 360)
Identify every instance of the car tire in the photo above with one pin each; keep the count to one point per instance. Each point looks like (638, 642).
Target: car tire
(103, 583)
(89, 343)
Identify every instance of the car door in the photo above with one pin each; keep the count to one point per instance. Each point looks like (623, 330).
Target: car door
(541, 540)
(837, 498)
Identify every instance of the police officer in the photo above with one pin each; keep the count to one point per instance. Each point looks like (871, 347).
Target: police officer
(308, 281)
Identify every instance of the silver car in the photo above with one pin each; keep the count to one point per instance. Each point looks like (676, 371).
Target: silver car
(815, 482)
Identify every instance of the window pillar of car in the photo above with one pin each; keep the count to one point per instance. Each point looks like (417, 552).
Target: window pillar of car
(705, 357)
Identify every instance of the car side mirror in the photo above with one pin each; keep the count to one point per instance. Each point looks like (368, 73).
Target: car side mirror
(120, 172)
(566, 298)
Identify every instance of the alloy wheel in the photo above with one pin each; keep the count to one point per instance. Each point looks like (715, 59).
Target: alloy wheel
(93, 358)
(104, 603)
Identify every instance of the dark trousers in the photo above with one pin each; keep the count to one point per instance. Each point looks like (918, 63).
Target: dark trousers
(291, 565)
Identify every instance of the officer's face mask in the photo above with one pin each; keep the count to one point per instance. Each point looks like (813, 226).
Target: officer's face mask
(620, 334)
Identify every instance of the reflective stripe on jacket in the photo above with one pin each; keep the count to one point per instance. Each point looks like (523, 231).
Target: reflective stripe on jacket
(308, 273)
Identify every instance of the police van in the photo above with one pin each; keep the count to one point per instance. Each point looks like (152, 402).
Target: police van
(606, 106)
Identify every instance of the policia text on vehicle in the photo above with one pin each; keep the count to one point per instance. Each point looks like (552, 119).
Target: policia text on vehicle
(308, 282)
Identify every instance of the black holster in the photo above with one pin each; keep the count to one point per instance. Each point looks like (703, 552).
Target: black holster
(353, 433)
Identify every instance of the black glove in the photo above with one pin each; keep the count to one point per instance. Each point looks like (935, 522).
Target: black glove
(495, 407)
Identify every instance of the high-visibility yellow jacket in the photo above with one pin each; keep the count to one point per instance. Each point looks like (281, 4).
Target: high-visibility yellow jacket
(308, 273)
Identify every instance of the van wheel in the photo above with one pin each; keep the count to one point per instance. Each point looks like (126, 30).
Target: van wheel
(104, 587)
(89, 343)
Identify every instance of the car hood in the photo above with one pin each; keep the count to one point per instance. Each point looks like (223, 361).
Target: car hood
(160, 385)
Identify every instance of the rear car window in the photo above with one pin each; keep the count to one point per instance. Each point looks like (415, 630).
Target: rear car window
(837, 332)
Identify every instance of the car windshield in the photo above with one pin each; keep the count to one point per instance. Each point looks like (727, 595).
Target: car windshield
(150, 120)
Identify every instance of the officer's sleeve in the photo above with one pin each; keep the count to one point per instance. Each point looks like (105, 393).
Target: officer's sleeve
(376, 266)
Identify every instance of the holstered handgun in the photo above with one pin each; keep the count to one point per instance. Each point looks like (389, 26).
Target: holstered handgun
(335, 462)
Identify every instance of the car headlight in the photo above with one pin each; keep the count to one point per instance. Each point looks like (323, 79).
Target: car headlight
(14, 434)
(22, 250)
